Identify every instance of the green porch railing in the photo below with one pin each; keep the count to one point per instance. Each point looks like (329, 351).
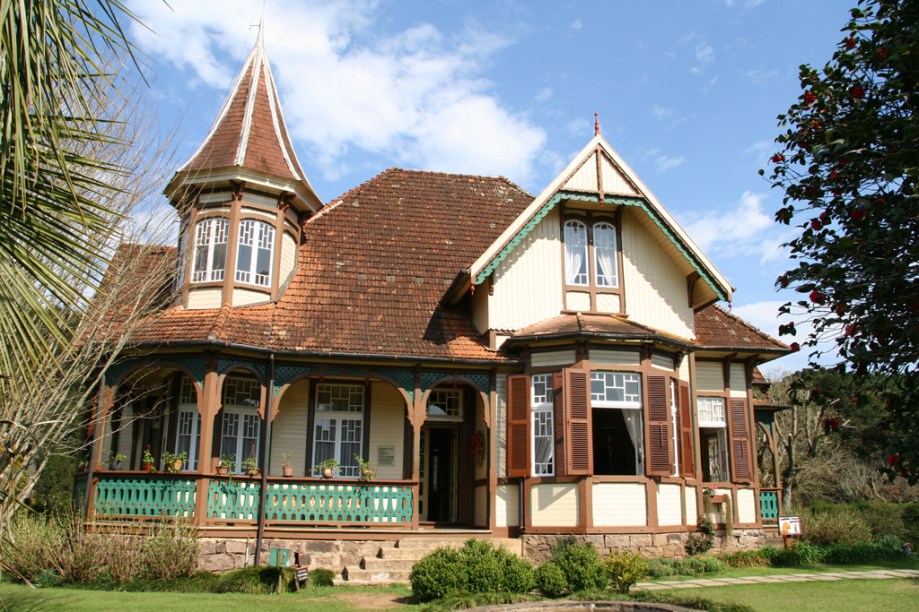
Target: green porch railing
(769, 505)
(145, 497)
(312, 503)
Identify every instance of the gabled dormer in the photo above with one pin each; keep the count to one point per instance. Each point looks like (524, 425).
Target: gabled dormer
(595, 241)
(241, 198)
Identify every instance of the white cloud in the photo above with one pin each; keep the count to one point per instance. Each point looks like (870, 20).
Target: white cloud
(577, 24)
(739, 229)
(416, 95)
(661, 112)
(761, 77)
(703, 53)
(544, 94)
(664, 163)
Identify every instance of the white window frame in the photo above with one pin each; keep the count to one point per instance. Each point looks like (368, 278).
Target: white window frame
(542, 423)
(339, 412)
(445, 405)
(630, 385)
(210, 234)
(576, 243)
(674, 411)
(711, 411)
(605, 242)
(711, 415)
(258, 237)
(188, 425)
(241, 396)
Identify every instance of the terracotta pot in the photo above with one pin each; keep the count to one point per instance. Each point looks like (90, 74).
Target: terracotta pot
(288, 470)
(223, 470)
(177, 465)
(327, 472)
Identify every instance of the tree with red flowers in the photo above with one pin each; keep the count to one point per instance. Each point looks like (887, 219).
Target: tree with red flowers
(849, 167)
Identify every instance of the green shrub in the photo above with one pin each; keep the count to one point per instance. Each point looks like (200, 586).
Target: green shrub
(519, 576)
(581, 565)
(82, 553)
(322, 578)
(704, 540)
(623, 569)
(744, 558)
(170, 551)
(885, 549)
(687, 600)
(834, 526)
(551, 580)
(799, 554)
(484, 567)
(31, 546)
(254, 580)
(478, 567)
(438, 574)
(911, 524)
(882, 518)
(698, 566)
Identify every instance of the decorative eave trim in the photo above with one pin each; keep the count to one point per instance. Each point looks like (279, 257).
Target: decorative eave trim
(250, 177)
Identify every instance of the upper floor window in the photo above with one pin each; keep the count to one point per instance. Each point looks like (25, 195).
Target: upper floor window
(576, 253)
(591, 251)
(606, 268)
(255, 252)
(210, 250)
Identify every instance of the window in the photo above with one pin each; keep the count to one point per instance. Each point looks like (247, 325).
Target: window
(606, 264)
(543, 426)
(240, 425)
(575, 253)
(210, 250)
(618, 432)
(338, 429)
(180, 260)
(713, 439)
(188, 424)
(445, 405)
(254, 255)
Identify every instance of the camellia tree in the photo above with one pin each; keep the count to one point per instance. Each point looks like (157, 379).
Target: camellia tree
(849, 166)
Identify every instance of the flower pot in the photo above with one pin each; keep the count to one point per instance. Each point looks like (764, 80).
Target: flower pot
(328, 472)
(253, 471)
(287, 470)
(177, 465)
(223, 470)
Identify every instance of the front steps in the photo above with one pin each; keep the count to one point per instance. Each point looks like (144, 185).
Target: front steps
(394, 560)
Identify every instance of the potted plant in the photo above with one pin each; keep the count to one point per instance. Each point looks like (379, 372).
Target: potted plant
(367, 473)
(148, 462)
(174, 462)
(225, 463)
(250, 466)
(327, 467)
(287, 468)
(115, 460)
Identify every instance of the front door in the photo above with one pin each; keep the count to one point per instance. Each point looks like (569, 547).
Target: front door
(440, 478)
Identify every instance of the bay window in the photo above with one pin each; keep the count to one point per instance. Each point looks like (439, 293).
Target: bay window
(255, 252)
(211, 237)
(618, 432)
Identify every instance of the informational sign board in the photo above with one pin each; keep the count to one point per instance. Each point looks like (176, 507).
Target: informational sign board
(386, 455)
(790, 525)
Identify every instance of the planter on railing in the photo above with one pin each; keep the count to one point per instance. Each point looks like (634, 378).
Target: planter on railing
(312, 503)
(141, 496)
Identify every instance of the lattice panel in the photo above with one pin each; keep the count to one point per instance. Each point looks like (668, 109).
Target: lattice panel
(769, 505)
(339, 503)
(232, 500)
(139, 497)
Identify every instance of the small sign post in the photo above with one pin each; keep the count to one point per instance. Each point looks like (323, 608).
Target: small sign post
(790, 528)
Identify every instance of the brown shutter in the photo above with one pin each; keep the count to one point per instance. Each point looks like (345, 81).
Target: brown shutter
(558, 418)
(740, 443)
(579, 460)
(660, 453)
(687, 456)
(518, 426)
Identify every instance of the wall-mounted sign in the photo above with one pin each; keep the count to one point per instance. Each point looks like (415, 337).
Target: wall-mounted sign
(386, 455)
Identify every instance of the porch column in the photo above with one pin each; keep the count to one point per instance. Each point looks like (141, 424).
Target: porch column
(208, 405)
(416, 418)
(97, 433)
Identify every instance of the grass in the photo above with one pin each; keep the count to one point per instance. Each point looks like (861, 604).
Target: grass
(911, 563)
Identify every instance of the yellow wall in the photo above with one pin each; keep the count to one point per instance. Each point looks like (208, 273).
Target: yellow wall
(288, 430)
(387, 421)
(618, 504)
(554, 505)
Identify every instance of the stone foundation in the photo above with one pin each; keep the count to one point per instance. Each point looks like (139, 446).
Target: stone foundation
(538, 548)
(221, 554)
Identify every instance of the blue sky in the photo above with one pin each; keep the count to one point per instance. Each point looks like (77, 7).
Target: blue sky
(687, 93)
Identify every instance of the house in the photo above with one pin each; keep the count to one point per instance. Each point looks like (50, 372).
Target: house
(510, 366)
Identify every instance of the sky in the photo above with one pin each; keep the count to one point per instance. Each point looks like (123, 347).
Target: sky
(687, 92)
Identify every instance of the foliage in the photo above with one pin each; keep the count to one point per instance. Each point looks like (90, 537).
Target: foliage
(322, 578)
(624, 569)
(551, 580)
(53, 490)
(171, 459)
(833, 527)
(34, 542)
(848, 169)
(744, 558)
(580, 563)
(692, 602)
(367, 473)
(704, 540)
(477, 567)
(255, 580)
(170, 551)
(690, 566)
(464, 601)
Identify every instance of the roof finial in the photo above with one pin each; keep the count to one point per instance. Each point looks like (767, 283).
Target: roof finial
(260, 38)
(596, 124)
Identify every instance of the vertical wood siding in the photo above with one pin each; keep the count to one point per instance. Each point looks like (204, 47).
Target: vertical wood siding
(738, 380)
(669, 505)
(554, 505)
(288, 257)
(507, 506)
(655, 286)
(614, 181)
(528, 282)
(288, 431)
(387, 426)
(620, 504)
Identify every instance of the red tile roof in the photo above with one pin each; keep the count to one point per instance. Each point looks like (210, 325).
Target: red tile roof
(373, 268)
(718, 328)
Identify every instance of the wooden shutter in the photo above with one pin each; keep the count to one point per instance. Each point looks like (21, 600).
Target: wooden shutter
(518, 426)
(741, 466)
(687, 456)
(579, 460)
(558, 418)
(660, 452)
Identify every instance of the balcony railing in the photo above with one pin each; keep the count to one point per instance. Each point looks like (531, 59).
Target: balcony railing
(770, 504)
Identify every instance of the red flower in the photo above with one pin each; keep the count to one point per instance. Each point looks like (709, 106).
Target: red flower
(857, 92)
(892, 459)
(858, 214)
(795, 347)
(777, 158)
(850, 330)
(809, 98)
(816, 224)
(850, 43)
(817, 297)
(783, 281)
(835, 424)
(882, 53)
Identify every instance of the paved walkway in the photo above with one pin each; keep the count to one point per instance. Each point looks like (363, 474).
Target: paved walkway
(816, 577)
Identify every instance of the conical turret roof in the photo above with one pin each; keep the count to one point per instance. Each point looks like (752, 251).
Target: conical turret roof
(249, 140)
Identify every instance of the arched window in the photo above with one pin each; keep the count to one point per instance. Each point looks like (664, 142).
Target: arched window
(606, 266)
(210, 250)
(255, 253)
(575, 253)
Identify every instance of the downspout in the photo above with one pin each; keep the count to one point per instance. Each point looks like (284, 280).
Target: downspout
(265, 459)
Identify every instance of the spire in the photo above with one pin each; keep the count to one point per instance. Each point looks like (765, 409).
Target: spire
(596, 124)
(250, 138)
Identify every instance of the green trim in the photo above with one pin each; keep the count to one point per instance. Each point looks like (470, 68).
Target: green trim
(618, 200)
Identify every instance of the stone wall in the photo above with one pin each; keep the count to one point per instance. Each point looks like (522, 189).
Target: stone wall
(223, 554)
(538, 548)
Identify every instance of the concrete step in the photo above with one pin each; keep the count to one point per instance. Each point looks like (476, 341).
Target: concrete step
(429, 544)
(375, 565)
(413, 554)
(362, 576)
